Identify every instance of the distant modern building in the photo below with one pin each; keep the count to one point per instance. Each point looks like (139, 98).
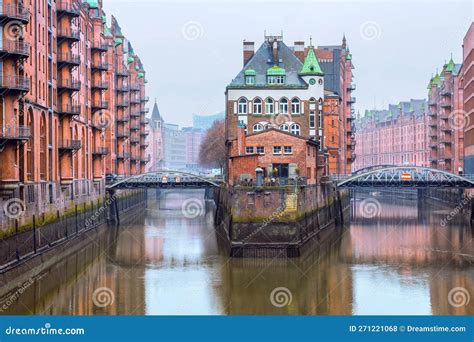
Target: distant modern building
(194, 137)
(204, 122)
(394, 136)
(467, 85)
(156, 140)
(174, 147)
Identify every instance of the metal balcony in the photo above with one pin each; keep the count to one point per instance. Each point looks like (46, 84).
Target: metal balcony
(446, 141)
(351, 100)
(351, 86)
(446, 105)
(100, 66)
(14, 12)
(134, 87)
(14, 83)
(20, 133)
(98, 105)
(145, 99)
(433, 103)
(122, 135)
(100, 151)
(144, 145)
(69, 145)
(123, 118)
(122, 88)
(70, 110)
(145, 110)
(15, 48)
(63, 7)
(122, 103)
(123, 155)
(144, 133)
(135, 114)
(68, 33)
(135, 100)
(68, 59)
(134, 158)
(134, 141)
(432, 113)
(134, 127)
(122, 73)
(101, 85)
(69, 84)
(145, 160)
(99, 46)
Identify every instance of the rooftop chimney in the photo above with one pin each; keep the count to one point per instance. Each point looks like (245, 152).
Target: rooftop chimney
(275, 51)
(299, 51)
(249, 49)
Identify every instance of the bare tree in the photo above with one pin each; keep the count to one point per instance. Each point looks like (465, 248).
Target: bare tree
(212, 152)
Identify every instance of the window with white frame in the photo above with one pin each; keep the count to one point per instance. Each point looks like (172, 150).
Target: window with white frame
(295, 106)
(295, 129)
(269, 106)
(276, 79)
(249, 80)
(249, 150)
(287, 149)
(320, 119)
(283, 106)
(285, 127)
(267, 126)
(243, 105)
(257, 106)
(257, 128)
(260, 149)
(312, 119)
(276, 149)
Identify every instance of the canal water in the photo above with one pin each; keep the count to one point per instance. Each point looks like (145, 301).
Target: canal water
(168, 259)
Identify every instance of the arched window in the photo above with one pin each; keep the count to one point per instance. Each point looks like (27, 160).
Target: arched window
(283, 106)
(267, 126)
(242, 105)
(257, 128)
(269, 106)
(285, 127)
(295, 106)
(257, 106)
(295, 129)
(43, 147)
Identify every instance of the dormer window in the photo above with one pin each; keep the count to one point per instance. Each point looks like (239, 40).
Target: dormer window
(250, 76)
(276, 75)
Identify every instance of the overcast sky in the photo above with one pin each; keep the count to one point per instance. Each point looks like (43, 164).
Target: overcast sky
(192, 49)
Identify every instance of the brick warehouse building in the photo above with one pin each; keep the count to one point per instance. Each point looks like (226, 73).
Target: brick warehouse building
(62, 109)
(468, 99)
(284, 88)
(394, 136)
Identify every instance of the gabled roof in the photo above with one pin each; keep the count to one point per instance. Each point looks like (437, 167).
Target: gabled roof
(311, 65)
(263, 60)
(155, 114)
(309, 141)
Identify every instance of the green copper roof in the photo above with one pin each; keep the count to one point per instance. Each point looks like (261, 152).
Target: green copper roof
(450, 66)
(399, 106)
(436, 80)
(390, 114)
(349, 56)
(130, 60)
(250, 72)
(311, 65)
(276, 71)
(104, 19)
(93, 3)
(141, 75)
(137, 67)
(146, 81)
(118, 41)
(411, 109)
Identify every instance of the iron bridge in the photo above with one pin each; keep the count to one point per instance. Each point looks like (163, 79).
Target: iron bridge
(165, 179)
(403, 176)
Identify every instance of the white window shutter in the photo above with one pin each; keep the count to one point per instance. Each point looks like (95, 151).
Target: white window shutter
(235, 107)
(276, 109)
(249, 107)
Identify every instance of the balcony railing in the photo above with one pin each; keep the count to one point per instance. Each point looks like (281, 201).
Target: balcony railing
(68, 8)
(122, 103)
(351, 100)
(122, 72)
(135, 87)
(446, 105)
(15, 48)
(134, 140)
(122, 88)
(122, 135)
(144, 145)
(69, 84)
(134, 127)
(123, 155)
(145, 160)
(145, 99)
(135, 114)
(96, 105)
(135, 100)
(68, 33)
(18, 83)
(433, 103)
(68, 109)
(11, 132)
(145, 110)
(100, 151)
(15, 12)
(99, 46)
(69, 58)
(144, 133)
(124, 118)
(102, 85)
(134, 158)
(100, 65)
(69, 145)
(351, 86)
